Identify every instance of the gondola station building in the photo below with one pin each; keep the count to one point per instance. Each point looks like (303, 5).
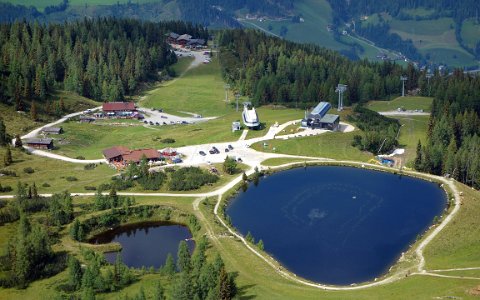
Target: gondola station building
(319, 119)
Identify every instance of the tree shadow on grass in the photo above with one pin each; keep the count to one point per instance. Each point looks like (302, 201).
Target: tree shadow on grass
(242, 292)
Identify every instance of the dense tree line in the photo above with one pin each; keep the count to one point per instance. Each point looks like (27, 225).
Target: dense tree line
(103, 59)
(453, 136)
(271, 70)
(211, 13)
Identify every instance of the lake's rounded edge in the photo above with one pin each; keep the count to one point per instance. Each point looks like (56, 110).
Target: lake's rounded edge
(411, 248)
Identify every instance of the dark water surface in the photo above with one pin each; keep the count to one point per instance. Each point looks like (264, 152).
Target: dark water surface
(146, 244)
(337, 225)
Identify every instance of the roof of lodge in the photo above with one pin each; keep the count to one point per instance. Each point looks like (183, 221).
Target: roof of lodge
(196, 41)
(115, 152)
(321, 109)
(39, 141)
(184, 37)
(52, 129)
(137, 155)
(328, 118)
(118, 106)
(173, 35)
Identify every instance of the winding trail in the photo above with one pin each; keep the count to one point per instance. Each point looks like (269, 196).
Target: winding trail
(254, 159)
(402, 273)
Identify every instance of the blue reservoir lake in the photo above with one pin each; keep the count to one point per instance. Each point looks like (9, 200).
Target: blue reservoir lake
(146, 244)
(337, 225)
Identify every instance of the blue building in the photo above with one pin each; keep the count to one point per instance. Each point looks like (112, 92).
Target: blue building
(318, 118)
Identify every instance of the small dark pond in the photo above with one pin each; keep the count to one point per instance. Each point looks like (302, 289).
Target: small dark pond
(337, 225)
(146, 244)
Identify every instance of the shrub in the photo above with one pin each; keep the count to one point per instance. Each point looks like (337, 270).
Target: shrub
(90, 166)
(190, 178)
(168, 141)
(71, 178)
(104, 187)
(5, 189)
(8, 173)
(153, 181)
(28, 170)
(121, 184)
(90, 188)
(46, 184)
(80, 157)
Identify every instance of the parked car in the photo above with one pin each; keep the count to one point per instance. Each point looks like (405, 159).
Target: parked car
(230, 147)
(215, 149)
(239, 159)
(184, 122)
(146, 122)
(151, 123)
(202, 153)
(211, 151)
(164, 123)
(164, 117)
(227, 150)
(156, 123)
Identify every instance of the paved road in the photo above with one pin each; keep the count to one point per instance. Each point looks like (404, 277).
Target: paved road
(35, 132)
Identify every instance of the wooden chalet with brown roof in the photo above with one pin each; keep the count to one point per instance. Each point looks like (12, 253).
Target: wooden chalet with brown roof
(115, 154)
(52, 130)
(36, 143)
(121, 156)
(119, 108)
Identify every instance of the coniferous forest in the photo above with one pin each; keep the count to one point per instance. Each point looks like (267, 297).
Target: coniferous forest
(453, 144)
(270, 70)
(102, 59)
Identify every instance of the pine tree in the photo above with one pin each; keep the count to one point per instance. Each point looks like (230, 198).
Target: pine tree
(18, 141)
(183, 258)
(418, 159)
(182, 288)
(88, 294)
(159, 292)
(62, 105)
(113, 197)
(34, 191)
(3, 133)
(74, 230)
(33, 111)
(8, 160)
(260, 245)
(224, 288)
(169, 267)
(74, 272)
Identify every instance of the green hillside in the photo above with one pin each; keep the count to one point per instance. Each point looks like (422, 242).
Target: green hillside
(316, 15)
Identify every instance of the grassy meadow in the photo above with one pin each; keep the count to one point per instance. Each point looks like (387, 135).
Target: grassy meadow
(433, 38)
(54, 173)
(21, 122)
(407, 102)
(317, 14)
(414, 129)
(471, 32)
(200, 91)
(334, 145)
